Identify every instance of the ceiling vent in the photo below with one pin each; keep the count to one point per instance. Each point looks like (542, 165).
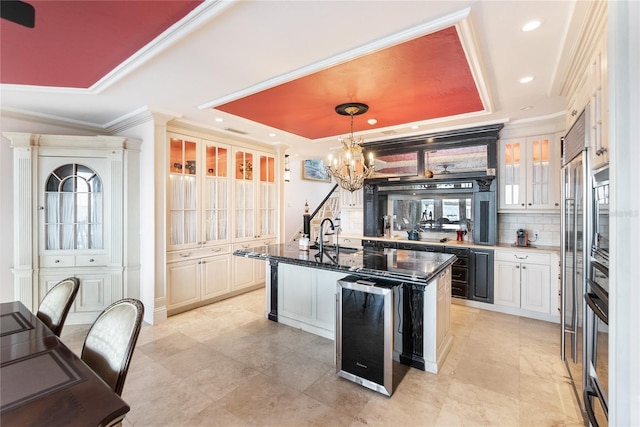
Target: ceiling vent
(235, 131)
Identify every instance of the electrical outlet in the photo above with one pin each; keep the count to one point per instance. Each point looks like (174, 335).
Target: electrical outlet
(536, 232)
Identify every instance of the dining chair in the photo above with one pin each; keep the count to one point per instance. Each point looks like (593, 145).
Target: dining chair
(111, 340)
(56, 304)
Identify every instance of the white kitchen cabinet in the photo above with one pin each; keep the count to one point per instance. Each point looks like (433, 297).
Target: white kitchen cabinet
(255, 195)
(307, 298)
(195, 276)
(220, 198)
(523, 280)
(198, 193)
(256, 207)
(246, 271)
(528, 174)
(75, 207)
(350, 199)
(598, 106)
(586, 86)
(437, 321)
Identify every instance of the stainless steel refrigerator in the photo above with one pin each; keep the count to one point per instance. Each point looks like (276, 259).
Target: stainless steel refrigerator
(575, 231)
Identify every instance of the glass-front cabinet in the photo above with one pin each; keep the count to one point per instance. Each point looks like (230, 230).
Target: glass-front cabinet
(76, 209)
(255, 193)
(198, 192)
(528, 173)
(220, 197)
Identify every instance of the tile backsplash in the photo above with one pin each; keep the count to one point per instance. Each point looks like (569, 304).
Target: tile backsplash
(548, 226)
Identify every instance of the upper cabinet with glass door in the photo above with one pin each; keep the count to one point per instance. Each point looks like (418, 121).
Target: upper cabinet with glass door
(267, 203)
(73, 209)
(198, 204)
(529, 167)
(255, 195)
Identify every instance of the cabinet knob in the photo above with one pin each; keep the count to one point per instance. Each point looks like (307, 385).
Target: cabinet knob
(574, 112)
(91, 260)
(521, 204)
(517, 266)
(529, 204)
(557, 204)
(524, 268)
(57, 261)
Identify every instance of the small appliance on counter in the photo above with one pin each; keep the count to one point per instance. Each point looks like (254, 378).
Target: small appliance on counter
(522, 238)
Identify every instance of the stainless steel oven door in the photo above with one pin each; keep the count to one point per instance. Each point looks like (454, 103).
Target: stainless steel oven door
(597, 360)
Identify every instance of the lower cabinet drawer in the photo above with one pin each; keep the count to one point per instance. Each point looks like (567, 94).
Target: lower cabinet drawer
(57, 261)
(90, 260)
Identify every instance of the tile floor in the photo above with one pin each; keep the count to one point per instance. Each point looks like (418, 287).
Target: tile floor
(226, 365)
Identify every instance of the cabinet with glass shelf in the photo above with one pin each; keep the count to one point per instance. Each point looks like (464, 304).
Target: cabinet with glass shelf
(529, 170)
(72, 221)
(255, 193)
(198, 197)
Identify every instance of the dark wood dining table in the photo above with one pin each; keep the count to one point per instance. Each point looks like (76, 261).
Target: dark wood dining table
(43, 383)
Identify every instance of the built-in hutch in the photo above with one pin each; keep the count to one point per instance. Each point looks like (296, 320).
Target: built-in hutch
(76, 213)
(220, 198)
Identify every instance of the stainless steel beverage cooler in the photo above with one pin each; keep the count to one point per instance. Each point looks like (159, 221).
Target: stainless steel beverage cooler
(365, 334)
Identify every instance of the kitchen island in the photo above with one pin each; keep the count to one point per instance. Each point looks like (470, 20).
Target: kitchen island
(301, 292)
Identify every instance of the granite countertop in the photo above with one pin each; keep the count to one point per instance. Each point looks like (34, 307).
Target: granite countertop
(391, 264)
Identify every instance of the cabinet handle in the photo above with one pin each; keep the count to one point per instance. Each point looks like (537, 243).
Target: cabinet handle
(245, 246)
(574, 112)
(216, 249)
(518, 257)
(187, 255)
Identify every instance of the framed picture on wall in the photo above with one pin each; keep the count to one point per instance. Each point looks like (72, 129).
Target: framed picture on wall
(315, 170)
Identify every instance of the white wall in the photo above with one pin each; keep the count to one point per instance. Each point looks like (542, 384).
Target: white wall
(624, 281)
(146, 233)
(296, 193)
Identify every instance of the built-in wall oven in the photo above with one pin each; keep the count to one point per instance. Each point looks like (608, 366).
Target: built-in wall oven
(595, 389)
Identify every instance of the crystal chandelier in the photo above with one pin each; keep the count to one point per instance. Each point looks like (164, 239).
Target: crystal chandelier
(350, 167)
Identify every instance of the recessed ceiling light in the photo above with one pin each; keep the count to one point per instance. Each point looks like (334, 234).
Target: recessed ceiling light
(372, 121)
(415, 127)
(526, 79)
(272, 135)
(219, 119)
(530, 26)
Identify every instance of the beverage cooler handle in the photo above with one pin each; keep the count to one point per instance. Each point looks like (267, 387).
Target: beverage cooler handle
(338, 341)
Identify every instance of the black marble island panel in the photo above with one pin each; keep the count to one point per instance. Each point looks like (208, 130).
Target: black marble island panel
(400, 265)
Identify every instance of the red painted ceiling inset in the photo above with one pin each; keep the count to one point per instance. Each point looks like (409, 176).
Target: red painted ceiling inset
(425, 78)
(76, 43)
